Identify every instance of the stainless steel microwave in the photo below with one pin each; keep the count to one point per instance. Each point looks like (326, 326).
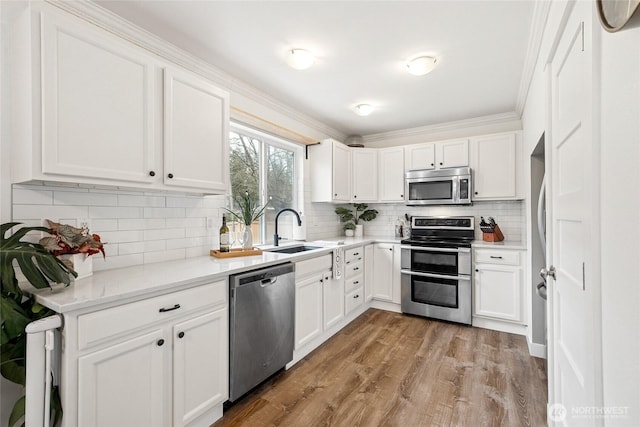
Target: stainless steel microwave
(438, 187)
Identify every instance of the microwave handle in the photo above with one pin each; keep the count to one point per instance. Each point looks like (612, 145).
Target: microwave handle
(437, 276)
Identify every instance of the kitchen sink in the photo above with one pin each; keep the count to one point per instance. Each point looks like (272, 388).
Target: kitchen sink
(294, 249)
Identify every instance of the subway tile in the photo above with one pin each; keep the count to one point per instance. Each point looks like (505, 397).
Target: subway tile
(54, 213)
(167, 233)
(164, 212)
(197, 251)
(155, 245)
(101, 225)
(35, 196)
(131, 248)
(140, 200)
(171, 255)
(84, 199)
(119, 261)
(122, 236)
(184, 202)
(115, 212)
(196, 232)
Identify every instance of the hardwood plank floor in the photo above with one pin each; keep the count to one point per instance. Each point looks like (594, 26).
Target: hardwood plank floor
(388, 369)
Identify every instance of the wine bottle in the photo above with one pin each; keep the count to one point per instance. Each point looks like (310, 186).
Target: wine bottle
(224, 235)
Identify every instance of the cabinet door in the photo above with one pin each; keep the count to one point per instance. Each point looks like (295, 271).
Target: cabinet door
(365, 175)
(200, 365)
(383, 271)
(497, 292)
(196, 132)
(396, 277)
(493, 160)
(341, 173)
(98, 104)
(333, 298)
(452, 154)
(308, 309)
(368, 272)
(419, 156)
(127, 384)
(391, 174)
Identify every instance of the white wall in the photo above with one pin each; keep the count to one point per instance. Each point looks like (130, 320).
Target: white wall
(620, 229)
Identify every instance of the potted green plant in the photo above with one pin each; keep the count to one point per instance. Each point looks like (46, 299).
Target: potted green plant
(349, 228)
(41, 268)
(360, 212)
(249, 211)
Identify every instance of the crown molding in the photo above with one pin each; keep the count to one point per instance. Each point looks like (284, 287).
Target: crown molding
(109, 21)
(494, 119)
(540, 14)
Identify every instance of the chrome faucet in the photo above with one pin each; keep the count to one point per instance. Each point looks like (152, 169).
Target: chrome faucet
(275, 236)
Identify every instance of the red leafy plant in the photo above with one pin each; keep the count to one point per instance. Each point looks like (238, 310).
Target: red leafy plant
(66, 239)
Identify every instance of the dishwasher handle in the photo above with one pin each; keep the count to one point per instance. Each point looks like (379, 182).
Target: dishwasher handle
(264, 275)
(268, 282)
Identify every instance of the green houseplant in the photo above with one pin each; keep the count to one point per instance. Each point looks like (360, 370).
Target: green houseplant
(360, 212)
(249, 211)
(40, 268)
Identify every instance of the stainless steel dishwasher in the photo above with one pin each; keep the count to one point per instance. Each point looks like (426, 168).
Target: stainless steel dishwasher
(261, 322)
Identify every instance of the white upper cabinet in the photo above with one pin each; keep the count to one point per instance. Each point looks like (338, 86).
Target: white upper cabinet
(365, 175)
(494, 161)
(437, 155)
(98, 104)
(196, 131)
(330, 167)
(391, 174)
(94, 110)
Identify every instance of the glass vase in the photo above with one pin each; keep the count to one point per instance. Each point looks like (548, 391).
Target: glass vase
(247, 237)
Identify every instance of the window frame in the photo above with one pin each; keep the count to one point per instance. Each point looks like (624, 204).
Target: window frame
(267, 139)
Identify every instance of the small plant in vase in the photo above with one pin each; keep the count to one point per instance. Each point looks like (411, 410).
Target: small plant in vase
(349, 228)
(360, 212)
(249, 211)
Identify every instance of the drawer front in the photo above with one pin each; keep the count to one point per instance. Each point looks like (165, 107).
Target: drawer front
(353, 282)
(353, 300)
(493, 256)
(353, 269)
(98, 326)
(353, 254)
(314, 265)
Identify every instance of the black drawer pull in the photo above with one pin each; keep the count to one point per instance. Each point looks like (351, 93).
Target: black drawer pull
(152, 173)
(356, 282)
(356, 268)
(181, 335)
(164, 310)
(495, 257)
(170, 176)
(160, 342)
(356, 296)
(356, 254)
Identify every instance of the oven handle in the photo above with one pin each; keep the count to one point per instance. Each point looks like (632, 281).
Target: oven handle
(424, 248)
(437, 276)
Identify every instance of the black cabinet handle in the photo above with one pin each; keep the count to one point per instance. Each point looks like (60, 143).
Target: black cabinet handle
(160, 342)
(356, 296)
(356, 254)
(170, 176)
(356, 282)
(152, 173)
(495, 257)
(355, 197)
(433, 164)
(181, 335)
(476, 193)
(356, 268)
(391, 249)
(402, 196)
(477, 270)
(335, 195)
(164, 310)
(440, 163)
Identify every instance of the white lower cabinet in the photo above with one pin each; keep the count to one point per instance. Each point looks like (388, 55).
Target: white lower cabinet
(165, 364)
(386, 272)
(498, 285)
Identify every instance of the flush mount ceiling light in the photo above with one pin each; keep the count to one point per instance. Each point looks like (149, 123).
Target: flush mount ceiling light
(300, 59)
(363, 109)
(421, 65)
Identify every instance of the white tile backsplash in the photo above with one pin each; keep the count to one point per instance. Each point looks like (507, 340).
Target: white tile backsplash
(138, 227)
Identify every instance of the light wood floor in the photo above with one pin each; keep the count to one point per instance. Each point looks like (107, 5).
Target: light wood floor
(388, 369)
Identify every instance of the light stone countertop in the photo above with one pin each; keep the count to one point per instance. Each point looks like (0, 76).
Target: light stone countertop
(109, 286)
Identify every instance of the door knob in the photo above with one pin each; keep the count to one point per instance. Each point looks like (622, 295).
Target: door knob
(551, 272)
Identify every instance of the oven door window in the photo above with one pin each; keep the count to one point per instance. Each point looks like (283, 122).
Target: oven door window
(431, 190)
(434, 262)
(434, 291)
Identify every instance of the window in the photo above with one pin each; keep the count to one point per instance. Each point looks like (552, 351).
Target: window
(269, 169)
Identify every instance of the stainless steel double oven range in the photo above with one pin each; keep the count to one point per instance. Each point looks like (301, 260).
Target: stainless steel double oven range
(436, 268)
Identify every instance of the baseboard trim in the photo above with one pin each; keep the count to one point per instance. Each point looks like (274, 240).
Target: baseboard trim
(497, 325)
(537, 350)
(385, 305)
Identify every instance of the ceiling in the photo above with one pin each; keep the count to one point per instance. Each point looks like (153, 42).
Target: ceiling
(360, 48)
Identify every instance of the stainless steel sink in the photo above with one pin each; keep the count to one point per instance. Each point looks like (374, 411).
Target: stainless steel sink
(293, 249)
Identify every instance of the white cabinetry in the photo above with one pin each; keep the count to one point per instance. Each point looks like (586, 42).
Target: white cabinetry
(333, 299)
(437, 155)
(196, 133)
(158, 362)
(391, 174)
(365, 175)
(354, 278)
(386, 272)
(494, 161)
(95, 110)
(368, 272)
(498, 284)
(330, 167)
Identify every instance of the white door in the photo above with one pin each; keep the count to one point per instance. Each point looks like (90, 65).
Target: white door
(196, 132)
(126, 384)
(333, 297)
(452, 154)
(308, 309)
(341, 173)
(391, 174)
(493, 160)
(200, 365)
(575, 318)
(365, 175)
(383, 271)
